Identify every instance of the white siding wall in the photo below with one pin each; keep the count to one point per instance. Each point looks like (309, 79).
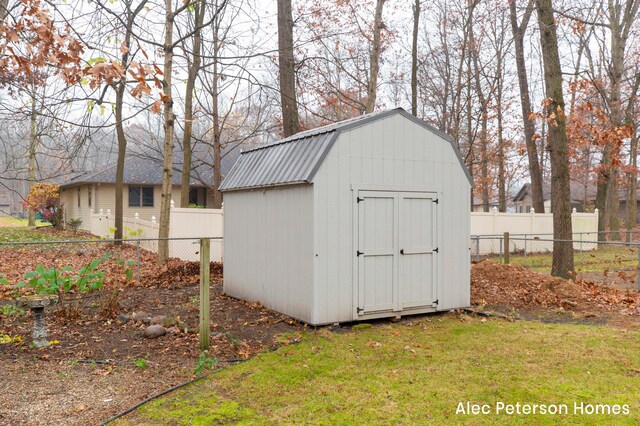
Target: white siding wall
(104, 197)
(268, 252)
(389, 152)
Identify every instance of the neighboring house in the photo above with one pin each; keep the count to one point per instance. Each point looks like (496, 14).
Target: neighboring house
(87, 193)
(478, 206)
(581, 197)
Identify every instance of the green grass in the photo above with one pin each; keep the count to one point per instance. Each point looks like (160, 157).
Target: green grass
(15, 233)
(14, 221)
(400, 374)
(605, 258)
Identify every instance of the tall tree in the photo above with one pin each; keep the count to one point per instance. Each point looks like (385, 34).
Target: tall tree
(414, 58)
(622, 15)
(525, 102)
(286, 63)
(194, 66)
(562, 260)
(374, 63)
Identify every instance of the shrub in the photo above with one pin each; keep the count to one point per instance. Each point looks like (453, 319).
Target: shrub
(74, 224)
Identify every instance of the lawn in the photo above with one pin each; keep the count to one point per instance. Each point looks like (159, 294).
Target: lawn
(14, 221)
(417, 373)
(24, 233)
(607, 257)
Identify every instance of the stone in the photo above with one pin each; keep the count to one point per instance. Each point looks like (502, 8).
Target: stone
(124, 318)
(173, 330)
(154, 331)
(170, 322)
(158, 319)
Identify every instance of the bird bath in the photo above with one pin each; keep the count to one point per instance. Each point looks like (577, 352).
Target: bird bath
(37, 303)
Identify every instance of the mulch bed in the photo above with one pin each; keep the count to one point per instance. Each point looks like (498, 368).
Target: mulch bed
(514, 287)
(89, 375)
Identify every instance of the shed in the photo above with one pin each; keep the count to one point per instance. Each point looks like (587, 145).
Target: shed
(366, 218)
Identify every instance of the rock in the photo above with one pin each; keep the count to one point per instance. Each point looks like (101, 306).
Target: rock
(141, 316)
(173, 330)
(158, 319)
(170, 322)
(154, 331)
(124, 318)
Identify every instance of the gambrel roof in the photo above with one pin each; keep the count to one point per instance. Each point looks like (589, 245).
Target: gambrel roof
(296, 159)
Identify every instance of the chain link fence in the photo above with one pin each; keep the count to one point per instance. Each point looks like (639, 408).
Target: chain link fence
(601, 258)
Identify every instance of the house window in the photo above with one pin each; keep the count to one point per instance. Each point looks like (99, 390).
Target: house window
(89, 195)
(528, 209)
(140, 196)
(78, 197)
(193, 196)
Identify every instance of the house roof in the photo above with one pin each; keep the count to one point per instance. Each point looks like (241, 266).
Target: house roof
(577, 191)
(148, 171)
(296, 159)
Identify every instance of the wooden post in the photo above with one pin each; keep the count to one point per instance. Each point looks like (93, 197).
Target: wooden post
(205, 263)
(507, 248)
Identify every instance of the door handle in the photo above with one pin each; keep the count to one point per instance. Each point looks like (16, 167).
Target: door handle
(401, 251)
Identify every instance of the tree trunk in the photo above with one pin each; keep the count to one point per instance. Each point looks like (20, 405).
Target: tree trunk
(525, 103)
(484, 118)
(4, 4)
(286, 64)
(632, 182)
(502, 184)
(33, 148)
(119, 123)
(188, 105)
(217, 155)
(122, 152)
(562, 261)
(414, 59)
(374, 60)
(169, 120)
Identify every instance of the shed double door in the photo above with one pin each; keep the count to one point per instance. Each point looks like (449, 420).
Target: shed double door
(396, 250)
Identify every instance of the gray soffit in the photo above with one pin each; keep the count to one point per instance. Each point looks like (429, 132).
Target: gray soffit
(296, 159)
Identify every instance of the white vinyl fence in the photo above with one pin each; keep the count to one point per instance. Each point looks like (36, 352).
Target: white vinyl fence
(528, 228)
(184, 223)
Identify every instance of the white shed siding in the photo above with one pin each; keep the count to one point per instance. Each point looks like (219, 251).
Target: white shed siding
(269, 245)
(391, 152)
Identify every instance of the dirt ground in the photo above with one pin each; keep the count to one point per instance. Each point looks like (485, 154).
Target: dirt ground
(61, 385)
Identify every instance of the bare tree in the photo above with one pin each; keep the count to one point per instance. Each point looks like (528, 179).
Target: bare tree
(525, 102)
(286, 61)
(374, 64)
(414, 58)
(562, 261)
(193, 68)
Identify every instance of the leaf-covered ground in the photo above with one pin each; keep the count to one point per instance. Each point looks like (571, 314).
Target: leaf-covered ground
(514, 287)
(416, 373)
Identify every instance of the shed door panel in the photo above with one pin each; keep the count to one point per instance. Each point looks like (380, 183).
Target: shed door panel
(417, 272)
(377, 244)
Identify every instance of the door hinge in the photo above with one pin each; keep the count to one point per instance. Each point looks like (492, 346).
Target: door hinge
(437, 249)
(360, 199)
(358, 253)
(436, 200)
(360, 311)
(435, 302)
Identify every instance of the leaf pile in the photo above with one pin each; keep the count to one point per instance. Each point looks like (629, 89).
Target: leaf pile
(15, 262)
(517, 287)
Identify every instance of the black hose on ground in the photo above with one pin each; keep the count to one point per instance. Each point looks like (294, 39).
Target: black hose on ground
(164, 392)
